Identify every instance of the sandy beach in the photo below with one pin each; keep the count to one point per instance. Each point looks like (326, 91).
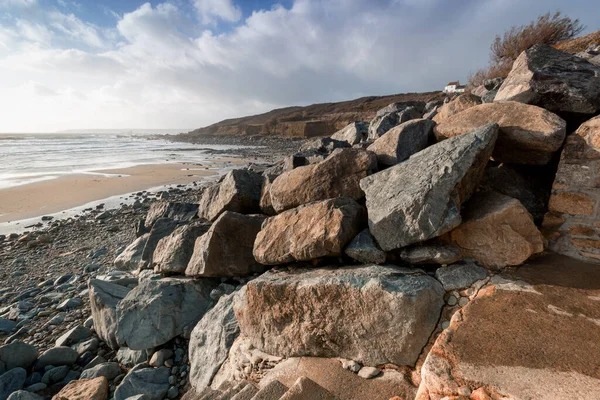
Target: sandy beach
(46, 197)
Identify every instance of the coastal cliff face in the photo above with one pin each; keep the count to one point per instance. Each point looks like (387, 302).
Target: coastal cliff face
(434, 251)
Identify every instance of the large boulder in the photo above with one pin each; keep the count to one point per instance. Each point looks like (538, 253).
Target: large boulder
(226, 248)
(353, 133)
(420, 198)
(459, 104)
(497, 231)
(17, 354)
(141, 380)
(239, 191)
(364, 249)
(210, 342)
(388, 313)
(311, 231)
(166, 209)
(104, 297)
(554, 80)
(532, 334)
(402, 141)
(12, 381)
(173, 253)
(392, 115)
(162, 228)
(527, 135)
(157, 311)
(129, 259)
(337, 176)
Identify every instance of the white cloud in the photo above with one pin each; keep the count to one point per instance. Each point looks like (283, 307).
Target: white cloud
(157, 67)
(212, 10)
(17, 3)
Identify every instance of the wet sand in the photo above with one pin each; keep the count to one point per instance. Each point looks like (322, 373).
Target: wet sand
(47, 197)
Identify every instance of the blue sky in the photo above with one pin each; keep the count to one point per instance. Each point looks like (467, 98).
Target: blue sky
(69, 64)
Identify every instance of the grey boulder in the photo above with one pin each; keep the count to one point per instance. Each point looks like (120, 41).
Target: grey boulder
(388, 313)
(402, 141)
(104, 297)
(109, 370)
(17, 354)
(12, 381)
(157, 311)
(460, 275)
(226, 249)
(173, 253)
(364, 249)
(57, 356)
(152, 382)
(353, 133)
(420, 198)
(392, 115)
(166, 209)
(239, 191)
(210, 342)
(129, 259)
(554, 80)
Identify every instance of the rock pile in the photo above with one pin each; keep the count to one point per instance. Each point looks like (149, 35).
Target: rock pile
(379, 250)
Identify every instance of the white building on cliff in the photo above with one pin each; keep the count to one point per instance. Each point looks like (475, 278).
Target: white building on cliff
(454, 87)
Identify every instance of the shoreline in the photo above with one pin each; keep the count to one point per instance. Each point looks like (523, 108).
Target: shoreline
(71, 192)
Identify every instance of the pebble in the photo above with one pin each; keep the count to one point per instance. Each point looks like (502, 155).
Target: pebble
(452, 301)
(463, 301)
(351, 365)
(368, 372)
(445, 324)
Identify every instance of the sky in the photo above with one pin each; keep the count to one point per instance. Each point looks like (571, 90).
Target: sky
(183, 64)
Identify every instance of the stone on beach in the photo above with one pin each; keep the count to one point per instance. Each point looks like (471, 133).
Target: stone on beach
(104, 297)
(364, 249)
(165, 209)
(153, 382)
(17, 354)
(173, 253)
(402, 141)
(84, 389)
(420, 198)
(129, 259)
(353, 133)
(318, 229)
(461, 103)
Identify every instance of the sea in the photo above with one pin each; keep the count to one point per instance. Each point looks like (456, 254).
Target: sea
(29, 158)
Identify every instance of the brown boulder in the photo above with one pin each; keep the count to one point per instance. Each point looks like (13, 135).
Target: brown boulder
(532, 334)
(311, 231)
(497, 231)
(402, 141)
(527, 135)
(457, 105)
(84, 389)
(226, 249)
(173, 253)
(239, 191)
(337, 176)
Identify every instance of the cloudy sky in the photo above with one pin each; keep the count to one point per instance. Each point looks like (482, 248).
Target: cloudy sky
(67, 64)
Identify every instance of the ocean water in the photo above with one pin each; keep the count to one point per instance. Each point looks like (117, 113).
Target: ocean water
(28, 158)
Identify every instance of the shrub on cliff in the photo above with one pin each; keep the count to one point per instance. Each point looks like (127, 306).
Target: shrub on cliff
(547, 29)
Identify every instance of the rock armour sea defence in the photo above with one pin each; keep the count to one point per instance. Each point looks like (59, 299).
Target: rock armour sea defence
(387, 316)
(420, 198)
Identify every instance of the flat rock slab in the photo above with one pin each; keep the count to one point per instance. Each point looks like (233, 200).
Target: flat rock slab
(167, 209)
(387, 317)
(420, 198)
(157, 311)
(329, 374)
(527, 134)
(554, 80)
(538, 325)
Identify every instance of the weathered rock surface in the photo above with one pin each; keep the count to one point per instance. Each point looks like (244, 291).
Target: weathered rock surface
(460, 275)
(226, 248)
(57, 356)
(165, 209)
(431, 253)
(420, 198)
(304, 317)
(17, 354)
(305, 388)
(84, 389)
(162, 228)
(24, 395)
(353, 133)
(173, 253)
(544, 328)
(104, 297)
(337, 176)
(157, 311)
(554, 80)
(109, 370)
(153, 382)
(239, 191)
(130, 258)
(497, 231)
(210, 342)
(311, 231)
(364, 249)
(459, 104)
(402, 141)
(527, 134)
